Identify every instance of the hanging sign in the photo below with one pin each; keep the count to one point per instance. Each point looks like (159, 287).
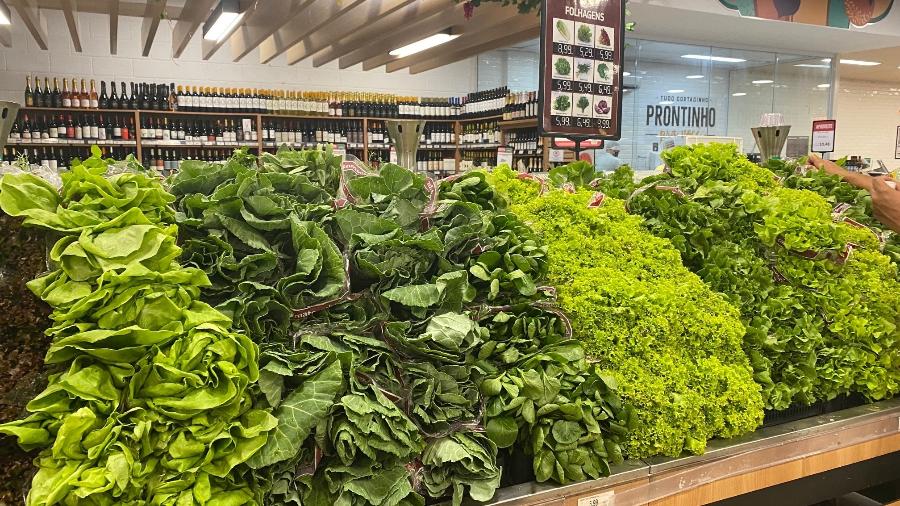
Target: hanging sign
(823, 135)
(582, 50)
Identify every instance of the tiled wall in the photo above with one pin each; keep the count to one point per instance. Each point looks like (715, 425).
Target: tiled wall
(868, 115)
(61, 60)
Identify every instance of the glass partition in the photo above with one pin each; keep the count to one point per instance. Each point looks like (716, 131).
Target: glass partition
(673, 90)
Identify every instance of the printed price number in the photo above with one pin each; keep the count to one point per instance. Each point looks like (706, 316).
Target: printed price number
(562, 121)
(562, 48)
(604, 55)
(584, 87)
(604, 89)
(584, 123)
(586, 52)
(604, 124)
(561, 85)
(604, 499)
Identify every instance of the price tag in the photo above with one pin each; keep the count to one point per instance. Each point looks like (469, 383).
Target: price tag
(505, 155)
(604, 499)
(392, 155)
(557, 155)
(823, 136)
(247, 124)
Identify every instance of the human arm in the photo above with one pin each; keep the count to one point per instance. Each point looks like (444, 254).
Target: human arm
(886, 202)
(855, 178)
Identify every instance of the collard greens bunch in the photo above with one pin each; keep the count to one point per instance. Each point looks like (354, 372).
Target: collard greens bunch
(673, 344)
(149, 401)
(407, 343)
(821, 303)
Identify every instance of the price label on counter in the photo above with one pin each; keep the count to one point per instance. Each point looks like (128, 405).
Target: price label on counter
(604, 499)
(582, 51)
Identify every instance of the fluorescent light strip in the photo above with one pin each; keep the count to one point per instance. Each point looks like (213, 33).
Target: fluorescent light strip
(861, 63)
(696, 76)
(705, 57)
(223, 26)
(824, 85)
(763, 81)
(4, 13)
(675, 91)
(421, 45)
(741, 94)
(813, 66)
(626, 74)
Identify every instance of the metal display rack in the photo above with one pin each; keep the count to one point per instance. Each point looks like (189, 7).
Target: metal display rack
(768, 458)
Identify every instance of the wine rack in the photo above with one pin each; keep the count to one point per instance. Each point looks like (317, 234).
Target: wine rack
(176, 135)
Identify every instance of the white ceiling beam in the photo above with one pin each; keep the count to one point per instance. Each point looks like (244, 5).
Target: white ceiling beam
(318, 15)
(152, 16)
(379, 29)
(271, 15)
(5, 36)
(31, 16)
(348, 24)
(403, 36)
(192, 16)
(487, 16)
(70, 9)
(113, 26)
(447, 58)
(489, 29)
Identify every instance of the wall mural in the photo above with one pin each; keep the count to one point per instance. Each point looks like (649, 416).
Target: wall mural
(833, 13)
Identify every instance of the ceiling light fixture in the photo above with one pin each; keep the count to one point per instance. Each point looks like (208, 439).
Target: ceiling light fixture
(763, 81)
(4, 13)
(739, 94)
(824, 85)
(675, 91)
(695, 76)
(626, 74)
(813, 65)
(222, 21)
(826, 60)
(421, 45)
(706, 57)
(861, 63)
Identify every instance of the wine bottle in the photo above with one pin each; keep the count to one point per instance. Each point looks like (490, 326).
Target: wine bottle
(84, 97)
(29, 94)
(93, 99)
(56, 96)
(103, 100)
(113, 98)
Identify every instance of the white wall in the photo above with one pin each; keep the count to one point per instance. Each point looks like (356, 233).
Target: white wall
(868, 114)
(95, 61)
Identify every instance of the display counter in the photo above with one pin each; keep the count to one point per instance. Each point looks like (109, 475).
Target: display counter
(769, 457)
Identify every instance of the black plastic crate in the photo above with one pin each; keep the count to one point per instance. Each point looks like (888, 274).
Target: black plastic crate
(799, 412)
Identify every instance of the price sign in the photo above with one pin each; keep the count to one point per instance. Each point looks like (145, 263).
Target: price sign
(582, 51)
(505, 156)
(823, 135)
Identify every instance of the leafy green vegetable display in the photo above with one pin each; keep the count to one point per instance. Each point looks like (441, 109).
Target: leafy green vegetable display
(562, 66)
(672, 345)
(150, 401)
(857, 208)
(819, 300)
(563, 29)
(562, 103)
(418, 314)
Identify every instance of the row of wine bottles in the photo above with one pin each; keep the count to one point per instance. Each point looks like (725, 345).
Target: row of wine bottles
(61, 157)
(87, 127)
(164, 97)
(220, 131)
(147, 96)
(521, 105)
(525, 139)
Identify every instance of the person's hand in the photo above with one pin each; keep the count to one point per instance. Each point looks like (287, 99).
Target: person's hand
(886, 202)
(829, 166)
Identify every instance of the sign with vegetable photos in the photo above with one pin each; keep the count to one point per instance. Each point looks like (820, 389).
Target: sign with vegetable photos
(582, 50)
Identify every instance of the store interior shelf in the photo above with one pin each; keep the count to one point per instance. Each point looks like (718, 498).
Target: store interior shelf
(518, 123)
(769, 457)
(191, 144)
(69, 142)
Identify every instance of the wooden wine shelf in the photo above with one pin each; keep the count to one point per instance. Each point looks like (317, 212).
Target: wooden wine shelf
(778, 456)
(139, 144)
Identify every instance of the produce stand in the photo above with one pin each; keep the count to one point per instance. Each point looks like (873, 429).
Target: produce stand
(766, 458)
